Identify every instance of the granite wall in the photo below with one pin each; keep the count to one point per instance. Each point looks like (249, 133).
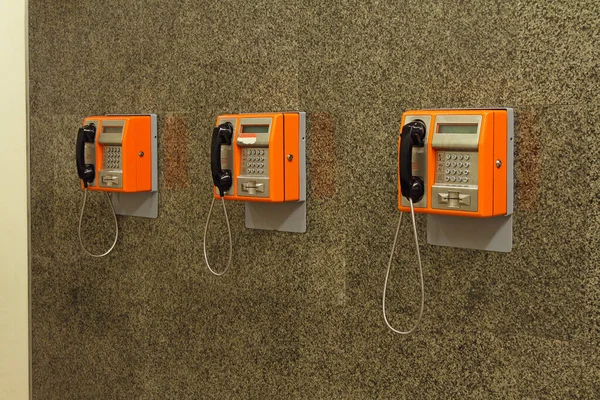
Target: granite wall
(299, 316)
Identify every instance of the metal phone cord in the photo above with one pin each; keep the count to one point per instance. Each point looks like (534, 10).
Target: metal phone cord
(229, 233)
(81, 219)
(387, 274)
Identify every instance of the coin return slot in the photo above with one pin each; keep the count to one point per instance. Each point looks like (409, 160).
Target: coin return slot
(454, 199)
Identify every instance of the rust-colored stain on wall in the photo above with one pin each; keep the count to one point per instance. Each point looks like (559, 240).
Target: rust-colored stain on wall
(322, 160)
(176, 139)
(528, 161)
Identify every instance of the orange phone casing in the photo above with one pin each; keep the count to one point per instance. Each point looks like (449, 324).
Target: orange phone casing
(494, 168)
(132, 150)
(279, 164)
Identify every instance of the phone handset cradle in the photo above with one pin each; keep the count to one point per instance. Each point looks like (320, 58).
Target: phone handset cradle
(413, 189)
(222, 179)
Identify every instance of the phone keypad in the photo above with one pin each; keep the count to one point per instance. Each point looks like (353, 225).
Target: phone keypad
(111, 157)
(255, 161)
(454, 168)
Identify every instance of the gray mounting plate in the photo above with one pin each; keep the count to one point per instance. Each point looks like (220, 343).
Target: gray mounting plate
(285, 217)
(492, 234)
(141, 204)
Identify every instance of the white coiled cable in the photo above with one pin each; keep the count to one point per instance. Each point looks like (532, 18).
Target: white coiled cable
(116, 226)
(228, 231)
(387, 274)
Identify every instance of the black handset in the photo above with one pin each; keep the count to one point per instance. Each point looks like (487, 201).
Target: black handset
(86, 172)
(413, 134)
(222, 135)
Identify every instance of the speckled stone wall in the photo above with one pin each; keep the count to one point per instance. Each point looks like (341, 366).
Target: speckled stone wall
(299, 316)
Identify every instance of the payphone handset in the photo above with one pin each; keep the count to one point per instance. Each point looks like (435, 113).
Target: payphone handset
(116, 154)
(257, 158)
(453, 162)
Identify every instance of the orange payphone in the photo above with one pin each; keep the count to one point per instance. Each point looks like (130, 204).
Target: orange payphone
(114, 153)
(456, 163)
(260, 159)
(256, 157)
(117, 154)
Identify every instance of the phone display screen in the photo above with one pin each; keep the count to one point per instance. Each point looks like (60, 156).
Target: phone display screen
(458, 128)
(255, 129)
(112, 129)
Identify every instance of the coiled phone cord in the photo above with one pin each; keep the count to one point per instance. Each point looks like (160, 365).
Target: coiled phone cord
(228, 231)
(387, 274)
(116, 225)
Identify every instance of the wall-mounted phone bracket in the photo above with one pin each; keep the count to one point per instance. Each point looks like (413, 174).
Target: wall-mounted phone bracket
(284, 217)
(491, 234)
(141, 204)
(467, 165)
